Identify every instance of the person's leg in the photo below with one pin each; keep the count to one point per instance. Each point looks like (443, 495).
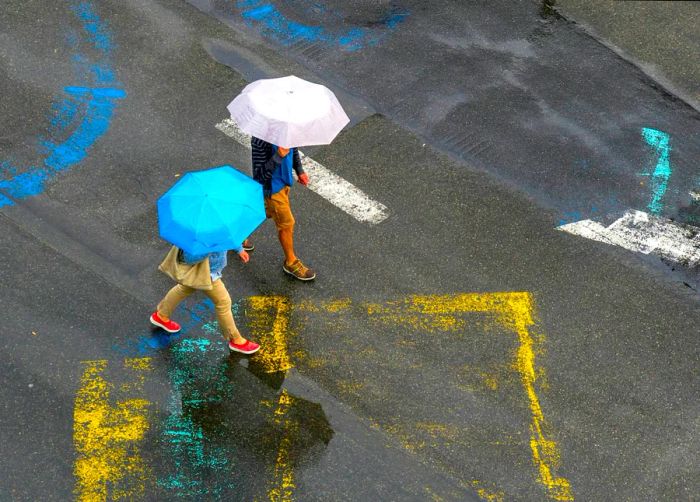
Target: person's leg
(222, 304)
(172, 299)
(286, 237)
(280, 211)
(277, 207)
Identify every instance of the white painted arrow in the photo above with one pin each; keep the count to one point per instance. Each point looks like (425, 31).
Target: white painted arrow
(325, 183)
(644, 233)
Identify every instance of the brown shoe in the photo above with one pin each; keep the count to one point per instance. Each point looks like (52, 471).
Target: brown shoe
(299, 270)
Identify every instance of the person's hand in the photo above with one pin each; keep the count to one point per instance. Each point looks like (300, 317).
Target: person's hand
(244, 255)
(282, 151)
(304, 179)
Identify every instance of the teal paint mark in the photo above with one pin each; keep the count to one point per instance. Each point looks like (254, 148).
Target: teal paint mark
(661, 143)
(197, 452)
(197, 455)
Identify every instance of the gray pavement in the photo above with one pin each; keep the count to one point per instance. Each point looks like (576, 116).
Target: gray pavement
(411, 368)
(661, 37)
(516, 91)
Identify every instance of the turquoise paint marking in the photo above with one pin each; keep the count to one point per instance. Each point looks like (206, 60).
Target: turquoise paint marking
(96, 98)
(661, 143)
(196, 456)
(198, 380)
(276, 25)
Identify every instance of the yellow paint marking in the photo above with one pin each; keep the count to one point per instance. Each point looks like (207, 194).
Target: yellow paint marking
(283, 478)
(515, 311)
(431, 313)
(106, 436)
(486, 494)
(269, 324)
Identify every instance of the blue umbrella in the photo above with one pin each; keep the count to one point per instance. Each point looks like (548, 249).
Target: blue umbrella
(211, 210)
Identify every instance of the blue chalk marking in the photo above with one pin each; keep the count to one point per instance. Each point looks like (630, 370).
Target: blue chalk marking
(105, 92)
(99, 106)
(660, 142)
(93, 25)
(287, 32)
(191, 318)
(96, 99)
(24, 185)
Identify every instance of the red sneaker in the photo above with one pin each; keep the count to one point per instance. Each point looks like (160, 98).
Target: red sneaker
(169, 326)
(246, 347)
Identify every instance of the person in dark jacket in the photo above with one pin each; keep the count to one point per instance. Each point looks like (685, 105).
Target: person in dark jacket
(272, 168)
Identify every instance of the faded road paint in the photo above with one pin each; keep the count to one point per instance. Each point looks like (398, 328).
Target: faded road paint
(270, 320)
(274, 24)
(661, 143)
(107, 432)
(93, 101)
(644, 233)
(282, 484)
(336, 190)
(269, 324)
(195, 457)
(515, 311)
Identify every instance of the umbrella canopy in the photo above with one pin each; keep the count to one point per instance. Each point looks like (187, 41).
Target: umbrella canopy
(289, 112)
(211, 210)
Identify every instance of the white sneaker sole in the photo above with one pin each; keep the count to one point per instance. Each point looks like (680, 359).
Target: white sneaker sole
(156, 323)
(247, 352)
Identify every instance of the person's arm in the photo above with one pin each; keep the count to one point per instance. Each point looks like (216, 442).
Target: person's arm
(296, 164)
(242, 253)
(299, 169)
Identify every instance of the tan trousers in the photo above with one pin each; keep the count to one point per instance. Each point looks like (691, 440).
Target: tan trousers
(222, 304)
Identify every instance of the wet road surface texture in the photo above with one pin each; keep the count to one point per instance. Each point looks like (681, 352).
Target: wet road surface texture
(460, 349)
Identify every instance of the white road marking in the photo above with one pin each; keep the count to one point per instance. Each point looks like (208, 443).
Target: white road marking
(644, 233)
(325, 183)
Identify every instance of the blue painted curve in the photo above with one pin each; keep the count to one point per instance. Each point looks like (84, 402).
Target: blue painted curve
(272, 23)
(80, 117)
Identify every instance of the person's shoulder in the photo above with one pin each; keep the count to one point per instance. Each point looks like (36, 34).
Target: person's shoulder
(258, 142)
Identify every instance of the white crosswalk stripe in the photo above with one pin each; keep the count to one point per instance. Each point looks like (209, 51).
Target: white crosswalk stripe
(325, 183)
(644, 233)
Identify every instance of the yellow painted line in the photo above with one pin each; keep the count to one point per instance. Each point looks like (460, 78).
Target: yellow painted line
(106, 435)
(269, 325)
(486, 494)
(430, 313)
(282, 489)
(515, 311)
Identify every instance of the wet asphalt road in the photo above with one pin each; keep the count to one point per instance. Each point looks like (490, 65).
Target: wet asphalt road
(463, 349)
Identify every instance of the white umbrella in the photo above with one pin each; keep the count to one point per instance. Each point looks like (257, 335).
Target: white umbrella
(288, 112)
